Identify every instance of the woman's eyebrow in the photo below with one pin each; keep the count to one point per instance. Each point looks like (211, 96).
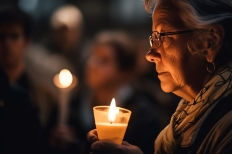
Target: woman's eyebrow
(164, 24)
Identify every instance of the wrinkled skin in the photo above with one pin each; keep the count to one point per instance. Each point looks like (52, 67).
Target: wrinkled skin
(179, 71)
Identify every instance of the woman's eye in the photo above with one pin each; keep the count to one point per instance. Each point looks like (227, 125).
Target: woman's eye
(163, 38)
(166, 41)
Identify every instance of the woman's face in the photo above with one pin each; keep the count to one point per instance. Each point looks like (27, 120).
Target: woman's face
(177, 68)
(101, 69)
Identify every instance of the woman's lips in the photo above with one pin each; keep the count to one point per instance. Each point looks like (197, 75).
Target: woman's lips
(161, 73)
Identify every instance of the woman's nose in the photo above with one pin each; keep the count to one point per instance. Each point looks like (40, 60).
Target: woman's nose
(152, 56)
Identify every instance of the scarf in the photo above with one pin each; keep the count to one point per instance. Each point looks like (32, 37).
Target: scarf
(190, 115)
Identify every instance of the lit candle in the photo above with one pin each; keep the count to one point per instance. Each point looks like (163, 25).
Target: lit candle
(112, 111)
(65, 81)
(111, 122)
(65, 78)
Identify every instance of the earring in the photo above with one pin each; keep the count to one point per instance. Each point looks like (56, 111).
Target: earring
(211, 68)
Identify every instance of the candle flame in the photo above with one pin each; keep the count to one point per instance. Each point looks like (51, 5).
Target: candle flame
(65, 78)
(112, 111)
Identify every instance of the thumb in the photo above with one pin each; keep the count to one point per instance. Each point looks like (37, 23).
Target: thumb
(92, 136)
(104, 146)
(126, 143)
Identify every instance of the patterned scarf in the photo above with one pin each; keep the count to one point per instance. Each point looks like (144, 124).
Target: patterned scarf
(190, 115)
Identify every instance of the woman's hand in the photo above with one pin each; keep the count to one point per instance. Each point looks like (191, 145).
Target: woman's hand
(110, 147)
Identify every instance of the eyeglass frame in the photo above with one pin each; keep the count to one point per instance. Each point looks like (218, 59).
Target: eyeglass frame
(151, 40)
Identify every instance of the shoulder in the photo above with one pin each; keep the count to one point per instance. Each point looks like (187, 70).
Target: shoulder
(223, 128)
(219, 139)
(225, 122)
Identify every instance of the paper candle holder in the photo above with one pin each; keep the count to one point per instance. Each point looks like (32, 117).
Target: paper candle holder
(111, 130)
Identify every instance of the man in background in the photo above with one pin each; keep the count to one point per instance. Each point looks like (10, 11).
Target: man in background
(19, 123)
(15, 35)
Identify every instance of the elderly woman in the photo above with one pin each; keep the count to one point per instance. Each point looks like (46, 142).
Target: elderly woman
(191, 47)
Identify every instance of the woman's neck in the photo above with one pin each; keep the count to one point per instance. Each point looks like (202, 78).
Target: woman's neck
(189, 92)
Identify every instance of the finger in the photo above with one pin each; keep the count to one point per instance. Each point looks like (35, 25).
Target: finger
(126, 143)
(101, 153)
(92, 136)
(104, 146)
(129, 148)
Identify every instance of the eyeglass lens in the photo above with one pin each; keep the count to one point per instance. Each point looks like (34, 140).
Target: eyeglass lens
(155, 40)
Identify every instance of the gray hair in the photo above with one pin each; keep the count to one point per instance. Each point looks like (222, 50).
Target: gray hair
(199, 15)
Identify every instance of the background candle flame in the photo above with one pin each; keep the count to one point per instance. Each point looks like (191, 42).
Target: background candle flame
(65, 78)
(112, 111)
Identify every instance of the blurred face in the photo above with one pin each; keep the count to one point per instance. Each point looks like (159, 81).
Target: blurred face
(66, 38)
(101, 69)
(177, 68)
(12, 44)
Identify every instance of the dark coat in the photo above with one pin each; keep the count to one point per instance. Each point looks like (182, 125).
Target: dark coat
(19, 124)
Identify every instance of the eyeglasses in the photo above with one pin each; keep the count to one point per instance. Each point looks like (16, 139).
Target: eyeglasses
(155, 39)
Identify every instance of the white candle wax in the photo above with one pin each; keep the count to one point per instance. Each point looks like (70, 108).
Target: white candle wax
(111, 131)
(65, 81)
(111, 122)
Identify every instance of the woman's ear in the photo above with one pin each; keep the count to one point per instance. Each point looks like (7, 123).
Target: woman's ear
(215, 43)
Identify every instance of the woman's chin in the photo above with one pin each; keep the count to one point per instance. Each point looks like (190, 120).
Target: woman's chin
(167, 87)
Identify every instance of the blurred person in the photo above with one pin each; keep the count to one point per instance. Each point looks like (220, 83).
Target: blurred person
(191, 47)
(19, 121)
(66, 31)
(110, 73)
(61, 49)
(15, 35)
(65, 37)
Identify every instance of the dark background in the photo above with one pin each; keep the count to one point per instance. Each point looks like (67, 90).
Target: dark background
(98, 15)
